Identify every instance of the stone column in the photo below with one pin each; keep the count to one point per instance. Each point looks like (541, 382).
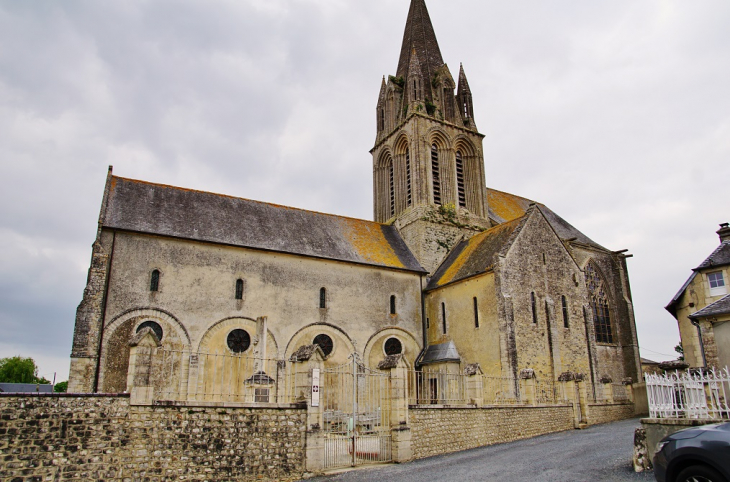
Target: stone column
(142, 349)
(567, 379)
(583, 398)
(606, 382)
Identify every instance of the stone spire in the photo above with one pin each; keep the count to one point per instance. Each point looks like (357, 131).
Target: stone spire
(419, 37)
(463, 96)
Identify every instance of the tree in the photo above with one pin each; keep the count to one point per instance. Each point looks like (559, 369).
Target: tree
(61, 387)
(19, 370)
(679, 349)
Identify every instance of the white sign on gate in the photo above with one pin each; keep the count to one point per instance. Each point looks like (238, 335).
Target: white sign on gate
(315, 387)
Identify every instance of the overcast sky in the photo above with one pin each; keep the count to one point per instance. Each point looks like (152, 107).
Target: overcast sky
(615, 114)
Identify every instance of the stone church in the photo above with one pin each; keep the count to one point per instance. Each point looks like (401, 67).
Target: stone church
(450, 273)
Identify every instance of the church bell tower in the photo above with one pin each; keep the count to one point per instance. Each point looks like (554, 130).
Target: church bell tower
(428, 162)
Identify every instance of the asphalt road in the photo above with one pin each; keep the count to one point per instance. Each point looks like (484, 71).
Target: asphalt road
(600, 453)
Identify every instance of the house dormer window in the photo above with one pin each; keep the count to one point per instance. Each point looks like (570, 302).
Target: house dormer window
(717, 283)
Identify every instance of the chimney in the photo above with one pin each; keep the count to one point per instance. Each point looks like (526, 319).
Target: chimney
(724, 232)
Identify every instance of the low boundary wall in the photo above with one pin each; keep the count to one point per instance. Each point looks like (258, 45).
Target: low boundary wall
(438, 431)
(77, 437)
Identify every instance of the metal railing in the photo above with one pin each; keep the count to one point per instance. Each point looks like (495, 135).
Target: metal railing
(700, 394)
(437, 387)
(181, 375)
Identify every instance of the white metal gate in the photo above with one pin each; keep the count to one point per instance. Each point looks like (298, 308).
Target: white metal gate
(356, 404)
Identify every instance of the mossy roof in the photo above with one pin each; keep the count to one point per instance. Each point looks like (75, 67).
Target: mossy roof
(163, 210)
(719, 307)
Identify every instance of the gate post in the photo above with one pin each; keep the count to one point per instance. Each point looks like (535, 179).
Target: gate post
(571, 394)
(305, 361)
(527, 386)
(400, 431)
(474, 384)
(583, 397)
(606, 383)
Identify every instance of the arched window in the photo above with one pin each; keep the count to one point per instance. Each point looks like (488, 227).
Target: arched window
(534, 307)
(599, 304)
(391, 184)
(408, 177)
(460, 179)
(392, 305)
(566, 319)
(476, 313)
(239, 289)
(322, 298)
(443, 315)
(436, 173)
(154, 326)
(155, 280)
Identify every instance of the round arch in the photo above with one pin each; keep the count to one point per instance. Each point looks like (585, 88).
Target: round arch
(374, 348)
(215, 338)
(114, 356)
(343, 346)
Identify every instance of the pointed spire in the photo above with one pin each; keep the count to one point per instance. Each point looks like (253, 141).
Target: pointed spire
(419, 37)
(463, 83)
(381, 96)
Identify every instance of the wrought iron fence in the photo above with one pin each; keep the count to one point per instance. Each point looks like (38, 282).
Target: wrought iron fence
(501, 390)
(181, 375)
(697, 394)
(437, 387)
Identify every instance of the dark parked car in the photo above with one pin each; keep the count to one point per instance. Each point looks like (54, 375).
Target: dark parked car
(700, 454)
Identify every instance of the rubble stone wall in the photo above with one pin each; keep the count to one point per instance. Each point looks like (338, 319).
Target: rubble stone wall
(104, 438)
(600, 413)
(443, 430)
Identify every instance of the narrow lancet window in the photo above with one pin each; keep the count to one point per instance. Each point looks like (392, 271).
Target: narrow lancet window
(443, 315)
(460, 179)
(476, 313)
(408, 177)
(392, 305)
(435, 171)
(155, 281)
(566, 318)
(391, 175)
(534, 307)
(323, 298)
(239, 289)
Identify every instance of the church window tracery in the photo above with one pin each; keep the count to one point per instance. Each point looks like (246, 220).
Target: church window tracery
(393, 346)
(155, 280)
(460, 179)
(325, 343)
(599, 304)
(238, 340)
(436, 174)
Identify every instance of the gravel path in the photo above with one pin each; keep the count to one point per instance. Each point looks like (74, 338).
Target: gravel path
(600, 453)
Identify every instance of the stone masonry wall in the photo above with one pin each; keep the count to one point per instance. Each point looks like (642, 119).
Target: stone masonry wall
(58, 438)
(598, 414)
(443, 430)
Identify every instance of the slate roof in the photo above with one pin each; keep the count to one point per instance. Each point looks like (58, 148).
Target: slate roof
(202, 216)
(646, 361)
(505, 207)
(444, 352)
(719, 257)
(476, 255)
(25, 388)
(719, 307)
